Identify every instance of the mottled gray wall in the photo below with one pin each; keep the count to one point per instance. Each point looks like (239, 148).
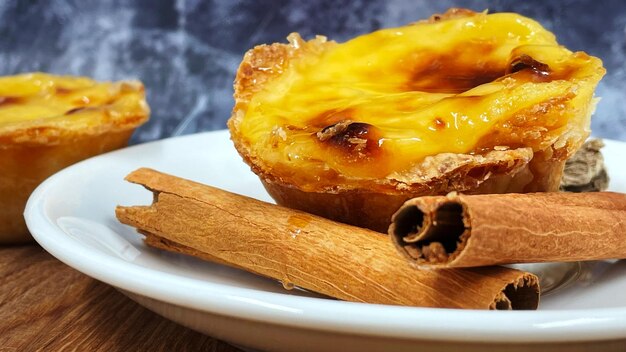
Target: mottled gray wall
(186, 51)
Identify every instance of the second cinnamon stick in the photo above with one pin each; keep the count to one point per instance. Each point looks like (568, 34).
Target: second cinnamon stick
(477, 230)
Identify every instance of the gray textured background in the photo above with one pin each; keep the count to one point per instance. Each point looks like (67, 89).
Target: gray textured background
(187, 51)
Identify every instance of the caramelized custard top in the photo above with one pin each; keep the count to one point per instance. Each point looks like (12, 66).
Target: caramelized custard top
(39, 100)
(461, 82)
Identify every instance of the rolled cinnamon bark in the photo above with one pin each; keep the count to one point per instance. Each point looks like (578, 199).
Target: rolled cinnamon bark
(478, 230)
(314, 253)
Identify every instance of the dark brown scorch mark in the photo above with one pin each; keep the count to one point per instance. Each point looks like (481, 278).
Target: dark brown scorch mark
(525, 62)
(354, 138)
(531, 70)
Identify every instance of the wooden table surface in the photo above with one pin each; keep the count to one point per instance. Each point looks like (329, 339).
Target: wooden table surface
(47, 306)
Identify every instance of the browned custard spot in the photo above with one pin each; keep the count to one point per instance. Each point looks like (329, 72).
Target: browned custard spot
(355, 139)
(6, 100)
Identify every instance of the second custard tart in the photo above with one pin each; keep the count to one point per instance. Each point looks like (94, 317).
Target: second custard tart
(464, 101)
(48, 122)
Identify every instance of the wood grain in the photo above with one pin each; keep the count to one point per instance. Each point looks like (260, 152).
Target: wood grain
(47, 306)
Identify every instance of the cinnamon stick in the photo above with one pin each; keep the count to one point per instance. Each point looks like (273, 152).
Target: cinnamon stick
(477, 230)
(314, 253)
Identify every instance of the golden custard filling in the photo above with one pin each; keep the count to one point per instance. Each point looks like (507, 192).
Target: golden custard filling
(40, 108)
(379, 104)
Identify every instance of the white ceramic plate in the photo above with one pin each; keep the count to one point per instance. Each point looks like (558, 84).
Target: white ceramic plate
(72, 216)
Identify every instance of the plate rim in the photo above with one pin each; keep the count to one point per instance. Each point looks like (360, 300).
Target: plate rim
(415, 323)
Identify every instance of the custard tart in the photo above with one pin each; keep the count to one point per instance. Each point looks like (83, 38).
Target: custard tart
(463, 101)
(48, 122)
